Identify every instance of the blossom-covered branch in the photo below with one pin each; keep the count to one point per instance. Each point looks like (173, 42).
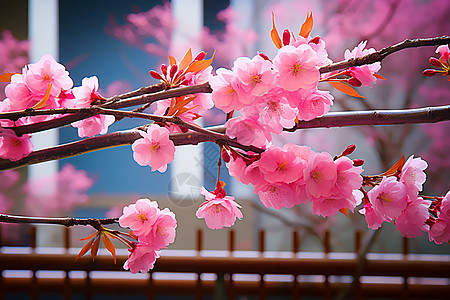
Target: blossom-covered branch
(216, 133)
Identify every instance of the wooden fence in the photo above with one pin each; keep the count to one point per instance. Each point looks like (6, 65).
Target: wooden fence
(227, 274)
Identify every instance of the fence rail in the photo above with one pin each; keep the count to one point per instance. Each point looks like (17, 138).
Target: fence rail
(408, 276)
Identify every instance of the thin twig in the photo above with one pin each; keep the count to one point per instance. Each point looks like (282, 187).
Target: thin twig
(379, 55)
(68, 222)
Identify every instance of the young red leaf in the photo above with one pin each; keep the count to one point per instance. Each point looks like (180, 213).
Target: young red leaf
(200, 65)
(274, 34)
(172, 60)
(396, 167)
(85, 249)
(379, 76)
(345, 88)
(109, 246)
(86, 238)
(43, 102)
(6, 77)
(187, 59)
(95, 246)
(307, 26)
(344, 211)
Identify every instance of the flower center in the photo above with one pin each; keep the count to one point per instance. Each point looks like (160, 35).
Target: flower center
(316, 175)
(283, 166)
(230, 91)
(142, 217)
(256, 79)
(47, 77)
(16, 142)
(155, 147)
(385, 198)
(296, 68)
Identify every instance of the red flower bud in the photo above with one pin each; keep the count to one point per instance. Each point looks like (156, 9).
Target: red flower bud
(173, 70)
(200, 56)
(226, 156)
(286, 37)
(264, 56)
(355, 82)
(184, 82)
(315, 40)
(164, 69)
(358, 162)
(435, 62)
(429, 72)
(156, 75)
(349, 150)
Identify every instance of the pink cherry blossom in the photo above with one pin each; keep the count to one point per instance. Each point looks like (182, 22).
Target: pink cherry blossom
(46, 71)
(248, 131)
(389, 198)
(98, 124)
(141, 259)
(281, 166)
(273, 110)
(202, 100)
(140, 217)
(412, 175)
(348, 177)
(314, 104)
(445, 207)
(154, 149)
(279, 195)
(227, 91)
(330, 206)
(218, 211)
(320, 175)
(256, 75)
(5, 204)
(13, 147)
(162, 232)
(373, 218)
(412, 220)
(440, 231)
(363, 73)
(86, 93)
(297, 67)
(444, 51)
(19, 94)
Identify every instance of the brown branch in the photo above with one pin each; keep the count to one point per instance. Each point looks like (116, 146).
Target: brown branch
(380, 117)
(216, 134)
(68, 222)
(379, 55)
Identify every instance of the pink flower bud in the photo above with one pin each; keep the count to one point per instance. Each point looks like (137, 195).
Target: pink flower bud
(435, 62)
(358, 162)
(155, 75)
(355, 82)
(429, 73)
(349, 150)
(200, 56)
(173, 70)
(286, 37)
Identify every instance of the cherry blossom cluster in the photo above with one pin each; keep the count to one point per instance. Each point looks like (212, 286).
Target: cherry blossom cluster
(396, 198)
(152, 227)
(46, 84)
(288, 176)
(275, 94)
